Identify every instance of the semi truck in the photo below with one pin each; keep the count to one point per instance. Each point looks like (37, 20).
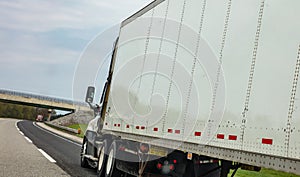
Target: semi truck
(196, 88)
(39, 118)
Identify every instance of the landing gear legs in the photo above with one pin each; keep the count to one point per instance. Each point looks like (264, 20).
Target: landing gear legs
(225, 167)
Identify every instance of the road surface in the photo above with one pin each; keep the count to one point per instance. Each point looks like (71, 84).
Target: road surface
(28, 150)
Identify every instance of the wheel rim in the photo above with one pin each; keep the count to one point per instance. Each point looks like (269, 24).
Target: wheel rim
(101, 159)
(109, 161)
(83, 151)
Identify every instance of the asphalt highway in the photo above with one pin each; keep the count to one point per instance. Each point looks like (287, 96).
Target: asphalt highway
(29, 150)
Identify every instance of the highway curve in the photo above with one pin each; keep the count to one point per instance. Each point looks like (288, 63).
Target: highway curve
(20, 155)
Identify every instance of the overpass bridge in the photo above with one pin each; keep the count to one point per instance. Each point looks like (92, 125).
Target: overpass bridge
(16, 97)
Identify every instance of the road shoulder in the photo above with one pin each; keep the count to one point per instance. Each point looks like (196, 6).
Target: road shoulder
(20, 157)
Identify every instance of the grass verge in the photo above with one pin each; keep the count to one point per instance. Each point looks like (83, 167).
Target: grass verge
(82, 127)
(263, 173)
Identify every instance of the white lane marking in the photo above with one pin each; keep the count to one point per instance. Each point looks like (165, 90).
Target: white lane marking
(56, 135)
(47, 156)
(28, 139)
(16, 125)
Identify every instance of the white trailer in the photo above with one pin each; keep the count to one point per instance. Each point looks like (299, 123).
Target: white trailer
(192, 82)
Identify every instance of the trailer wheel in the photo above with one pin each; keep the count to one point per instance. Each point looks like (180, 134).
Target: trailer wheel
(102, 159)
(83, 161)
(111, 169)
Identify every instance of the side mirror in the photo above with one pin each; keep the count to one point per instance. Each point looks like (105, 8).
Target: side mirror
(90, 94)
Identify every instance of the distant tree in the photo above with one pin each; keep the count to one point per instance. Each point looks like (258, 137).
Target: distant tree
(17, 111)
(8, 110)
(42, 111)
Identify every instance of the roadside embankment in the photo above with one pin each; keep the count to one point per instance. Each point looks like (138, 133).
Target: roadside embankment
(60, 133)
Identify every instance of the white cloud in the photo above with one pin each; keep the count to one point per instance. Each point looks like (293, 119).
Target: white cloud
(35, 15)
(41, 40)
(28, 19)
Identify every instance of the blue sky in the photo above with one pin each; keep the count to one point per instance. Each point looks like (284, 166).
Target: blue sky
(41, 41)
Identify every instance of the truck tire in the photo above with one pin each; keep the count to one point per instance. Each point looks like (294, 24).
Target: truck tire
(83, 161)
(111, 169)
(102, 159)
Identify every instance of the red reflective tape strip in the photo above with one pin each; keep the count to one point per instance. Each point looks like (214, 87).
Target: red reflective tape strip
(197, 133)
(220, 136)
(155, 129)
(137, 127)
(232, 137)
(170, 130)
(267, 141)
(127, 126)
(119, 125)
(115, 125)
(177, 131)
(143, 127)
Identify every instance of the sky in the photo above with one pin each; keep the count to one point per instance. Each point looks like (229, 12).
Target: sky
(42, 41)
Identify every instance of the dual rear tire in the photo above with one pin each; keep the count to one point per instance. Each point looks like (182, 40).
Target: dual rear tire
(107, 161)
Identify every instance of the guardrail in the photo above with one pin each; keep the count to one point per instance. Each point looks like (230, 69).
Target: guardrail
(71, 130)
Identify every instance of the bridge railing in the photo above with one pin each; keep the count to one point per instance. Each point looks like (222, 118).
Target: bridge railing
(42, 97)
